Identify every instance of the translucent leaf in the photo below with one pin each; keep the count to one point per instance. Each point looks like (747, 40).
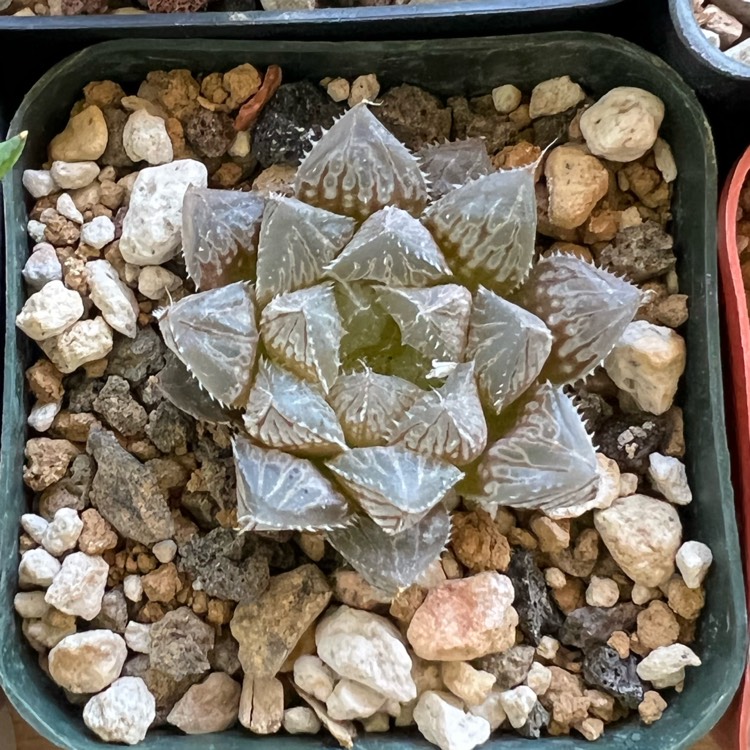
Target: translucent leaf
(285, 412)
(451, 164)
(391, 247)
(358, 167)
(393, 562)
(546, 461)
(215, 336)
(185, 392)
(10, 152)
(487, 229)
(434, 321)
(586, 308)
(278, 491)
(369, 405)
(296, 241)
(220, 235)
(509, 347)
(302, 330)
(395, 486)
(447, 423)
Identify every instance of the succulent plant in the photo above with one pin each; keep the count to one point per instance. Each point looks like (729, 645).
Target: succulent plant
(378, 346)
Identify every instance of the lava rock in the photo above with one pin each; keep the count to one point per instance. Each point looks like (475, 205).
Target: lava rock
(603, 668)
(290, 123)
(414, 116)
(115, 155)
(126, 492)
(509, 668)
(538, 615)
(552, 129)
(210, 133)
(206, 559)
(169, 429)
(180, 644)
(587, 627)
(538, 720)
(640, 252)
(134, 359)
(120, 410)
(630, 439)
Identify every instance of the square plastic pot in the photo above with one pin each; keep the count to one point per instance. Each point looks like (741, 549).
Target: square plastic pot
(460, 66)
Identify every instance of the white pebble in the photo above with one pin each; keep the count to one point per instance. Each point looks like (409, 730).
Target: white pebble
(442, 721)
(352, 700)
(539, 678)
(314, 677)
(36, 230)
(665, 666)
(300, 720)
(628, 485)
(693, 561)
(78, 588)
(240, 147)
(37, 569)
(42, 415)
(643, 594)
(132, 587)
(38, 182)
(42, 635)
(42, 266)
(548, 647)
(34, 526)
(30, 604)
(138, 637)
(74, 175)
(669, 477)
(98, 232)
(518, 704)
(623, 124)
(66, 207)
(154, 282)
(88, 662)
(364, 89)
(506, 98)
(665, 160)
(122, 713)
(554, 96)
(50, 311)
(113, 297)
(145, 138)
(165, 551)
(63, 532)
(85, 341)
(491, 709)
(602, 592)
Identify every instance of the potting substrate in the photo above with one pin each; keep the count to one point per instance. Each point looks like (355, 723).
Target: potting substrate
(353, 410)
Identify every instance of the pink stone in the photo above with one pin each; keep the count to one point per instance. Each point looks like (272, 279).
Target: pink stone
(465, 619)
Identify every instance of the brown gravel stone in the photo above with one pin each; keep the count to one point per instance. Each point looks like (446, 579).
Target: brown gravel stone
(652, 707)
(45, 381)
(350, 588)
(278, 178)
(519, 537)
(571, 596)
(162, 584)
(312, 544)
(685, 602)
(657, 626)
(152, 612)
(602, 705)
(477, 543)
(74, 426)
(47, 461)
(269, 628)
(219, 612)
(565, 699)
(406, 603)
(620, 642)
(553, 536)
(97, 535)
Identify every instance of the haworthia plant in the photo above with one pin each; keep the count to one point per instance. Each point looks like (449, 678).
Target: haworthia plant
(358, 340)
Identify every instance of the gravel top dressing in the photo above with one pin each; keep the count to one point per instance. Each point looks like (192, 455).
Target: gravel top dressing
(355, 410)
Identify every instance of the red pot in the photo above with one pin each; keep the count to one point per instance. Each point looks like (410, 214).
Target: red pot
(734, 729)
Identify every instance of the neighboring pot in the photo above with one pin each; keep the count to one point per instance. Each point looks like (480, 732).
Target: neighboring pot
(737, 322)
(460, 66)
